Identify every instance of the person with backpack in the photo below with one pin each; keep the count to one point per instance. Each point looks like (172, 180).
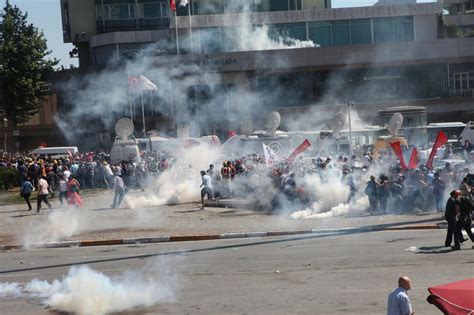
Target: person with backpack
(26, 189)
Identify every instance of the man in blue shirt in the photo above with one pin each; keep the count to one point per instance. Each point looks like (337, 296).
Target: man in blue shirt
(398, 301)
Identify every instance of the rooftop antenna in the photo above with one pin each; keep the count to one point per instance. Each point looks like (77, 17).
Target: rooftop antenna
(273, 122)
(395, 124)
(336, 124)
(124, 128)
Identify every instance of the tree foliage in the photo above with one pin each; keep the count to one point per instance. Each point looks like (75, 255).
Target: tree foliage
(23, 65)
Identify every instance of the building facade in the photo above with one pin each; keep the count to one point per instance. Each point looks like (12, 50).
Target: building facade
(299, 57)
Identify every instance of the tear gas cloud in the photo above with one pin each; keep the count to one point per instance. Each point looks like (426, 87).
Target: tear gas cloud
(84, 290)
(57, 226)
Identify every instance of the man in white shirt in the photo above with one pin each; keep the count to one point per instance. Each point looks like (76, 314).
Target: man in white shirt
(206, 188)
(42, 194)
(398, 301)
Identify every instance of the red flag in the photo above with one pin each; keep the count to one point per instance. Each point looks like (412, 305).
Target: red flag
(441, 139)
(398, 152)
(231, 133)
(414, 159)
(301, 148)
(173, 5)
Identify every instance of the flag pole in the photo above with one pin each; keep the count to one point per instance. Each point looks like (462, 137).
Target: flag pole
(176, 30)
(130, 101)
(143, 115)
(190, 26)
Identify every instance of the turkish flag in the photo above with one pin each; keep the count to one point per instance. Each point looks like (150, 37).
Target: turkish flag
(441, 140)
(414, 159)
(301, 148)
(173, 5)
(398, 152)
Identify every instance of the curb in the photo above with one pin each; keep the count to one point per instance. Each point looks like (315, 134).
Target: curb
(186, 238)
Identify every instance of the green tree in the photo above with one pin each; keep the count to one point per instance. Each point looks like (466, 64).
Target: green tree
(23, 65)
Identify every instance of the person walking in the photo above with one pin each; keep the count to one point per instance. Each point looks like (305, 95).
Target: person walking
(451, 214)
(465, 219)
(73, 187)
(371, 192)
(26, 189)
(439, 187)
(43, 191)
(63, 189)
(398, 301)
(206, 186)
(119, 187)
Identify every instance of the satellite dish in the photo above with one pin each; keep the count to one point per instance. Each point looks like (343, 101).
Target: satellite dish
(395, 124)
(124, 128)
(273, 122)
(337, 123)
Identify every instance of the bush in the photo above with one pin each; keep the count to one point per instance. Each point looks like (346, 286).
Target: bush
(9, 178)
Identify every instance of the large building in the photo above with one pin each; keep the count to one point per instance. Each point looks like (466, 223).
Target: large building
(300, 57)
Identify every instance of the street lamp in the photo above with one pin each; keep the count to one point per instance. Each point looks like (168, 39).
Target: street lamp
(349, 105)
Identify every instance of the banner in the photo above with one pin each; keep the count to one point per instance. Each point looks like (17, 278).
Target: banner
(300, 149)
(270, 156)
(441, 140)
(398, 152)
(414, 159)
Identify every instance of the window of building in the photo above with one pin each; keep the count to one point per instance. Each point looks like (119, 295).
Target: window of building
(119, 11)
(288, 30)
(155, 9)
(361, 32)
(461, 81)
(403, 28)
(383, 30)
(236, 6)
(210, 39)
(320, 33)
(341, 33)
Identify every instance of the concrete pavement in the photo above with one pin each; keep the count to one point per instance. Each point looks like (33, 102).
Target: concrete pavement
(334, 273)
(97, 224)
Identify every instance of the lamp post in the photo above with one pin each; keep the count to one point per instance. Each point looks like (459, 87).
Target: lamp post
(349, 105)
(5, 123)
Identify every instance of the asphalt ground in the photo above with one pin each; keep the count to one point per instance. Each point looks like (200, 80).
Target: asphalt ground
(97, 221)
(334, 273)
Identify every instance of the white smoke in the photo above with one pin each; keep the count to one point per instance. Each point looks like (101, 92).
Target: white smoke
(86, 291)
(179, 184)
(58, 225)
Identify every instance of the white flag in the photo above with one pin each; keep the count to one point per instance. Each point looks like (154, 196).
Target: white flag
(147, 84)
(183, 3)
(270, 156)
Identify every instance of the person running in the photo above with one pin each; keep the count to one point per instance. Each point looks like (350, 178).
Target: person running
(119, 187)
(26, 189)
(206, 188)
(43, 192)
(63, 189)
(73, 187)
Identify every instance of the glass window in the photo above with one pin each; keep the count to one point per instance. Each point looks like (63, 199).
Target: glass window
(98, 12)
(383, 30)
(403, 28)
(320, 33)
(360, 32)
(214, 7)
(296, 30)
(341, 33)
(236, 6)
(151, 10)
(210, 40)
(279, 5)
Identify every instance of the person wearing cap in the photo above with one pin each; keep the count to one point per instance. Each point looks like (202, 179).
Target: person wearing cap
(451, 215)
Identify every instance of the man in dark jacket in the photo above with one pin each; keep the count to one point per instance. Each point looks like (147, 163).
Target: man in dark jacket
(465, 219)
(451, 215)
